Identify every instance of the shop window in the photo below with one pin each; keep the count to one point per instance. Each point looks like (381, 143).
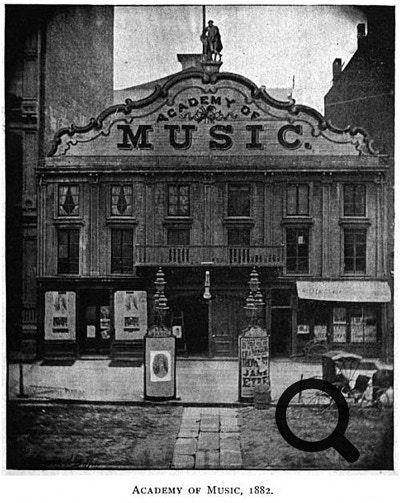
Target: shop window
(355, 250)
(321, 322)
(178, 200)
(121, 200)
(238, 237)
(297, 250)
(361, 322)
(178, 237)
(68, 200)
(363, 325)
(68, 251)
(121, 251)
(354, 200)
(297, 197)
(339, 326)
(238, 200)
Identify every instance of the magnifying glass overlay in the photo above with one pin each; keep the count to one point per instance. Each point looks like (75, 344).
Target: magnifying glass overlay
(336, 439)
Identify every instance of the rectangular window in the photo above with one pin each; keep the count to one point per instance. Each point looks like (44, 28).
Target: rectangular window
(121, 200)
(178, 200)
(68, 251)
(363, 325)
(297, 199)
(238, 237)
(354, 200)
(121, 251)
(68, 200)
(297, 248)
(238, 201)
(355, 250)
(178, 237)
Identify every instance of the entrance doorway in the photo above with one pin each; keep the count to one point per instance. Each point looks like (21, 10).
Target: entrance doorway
(195, 315)
(281, 332)
(95, 323)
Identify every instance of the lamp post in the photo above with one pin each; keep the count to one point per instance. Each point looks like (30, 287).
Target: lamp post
(207, 298)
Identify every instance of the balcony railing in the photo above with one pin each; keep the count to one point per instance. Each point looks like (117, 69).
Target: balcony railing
(213, 255)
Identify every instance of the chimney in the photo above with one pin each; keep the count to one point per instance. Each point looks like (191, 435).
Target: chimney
(336, 69)
(190, 60)
(361, 35)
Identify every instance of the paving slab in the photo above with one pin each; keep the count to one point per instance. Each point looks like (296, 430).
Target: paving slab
(188, 433)
(207, 459)
(185, 446)
(230, 459)
(190, 425)
(209, 427)
(229, 428)
(183, 461)
(227, 420)
(208, 441)
(231, 445)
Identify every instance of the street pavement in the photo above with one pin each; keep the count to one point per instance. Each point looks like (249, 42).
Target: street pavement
(210, 382)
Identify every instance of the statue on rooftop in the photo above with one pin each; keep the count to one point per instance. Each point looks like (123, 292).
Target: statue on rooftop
(211, 39)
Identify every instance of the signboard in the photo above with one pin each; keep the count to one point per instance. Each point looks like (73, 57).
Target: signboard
(59, 318)
(130, 313)
(253, 362)
(159, 378)
(226, 118)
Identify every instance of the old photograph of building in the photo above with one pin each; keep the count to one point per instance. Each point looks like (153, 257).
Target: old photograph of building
(197, 241)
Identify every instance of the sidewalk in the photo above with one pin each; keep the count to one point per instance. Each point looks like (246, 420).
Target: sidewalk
(211, 382)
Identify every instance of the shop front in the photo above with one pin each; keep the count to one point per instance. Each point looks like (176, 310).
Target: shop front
(348, 315)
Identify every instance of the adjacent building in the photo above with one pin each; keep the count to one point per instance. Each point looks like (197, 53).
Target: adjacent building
(58, 70)
(207, 173)
(362, 93)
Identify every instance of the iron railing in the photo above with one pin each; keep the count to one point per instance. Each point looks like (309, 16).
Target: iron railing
(213, 255)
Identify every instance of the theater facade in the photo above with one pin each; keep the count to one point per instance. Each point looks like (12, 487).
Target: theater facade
(209, 177)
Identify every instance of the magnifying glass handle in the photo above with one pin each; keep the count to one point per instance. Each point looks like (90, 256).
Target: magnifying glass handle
(346, 449)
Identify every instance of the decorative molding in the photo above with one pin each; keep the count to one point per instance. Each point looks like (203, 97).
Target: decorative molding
(257, 93)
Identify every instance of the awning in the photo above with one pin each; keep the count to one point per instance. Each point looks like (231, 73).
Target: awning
(344, 291)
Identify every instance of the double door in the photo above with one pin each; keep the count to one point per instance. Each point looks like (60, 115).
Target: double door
(95, 321)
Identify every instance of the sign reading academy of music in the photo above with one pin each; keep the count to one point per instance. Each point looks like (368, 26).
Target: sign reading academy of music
(193, 113)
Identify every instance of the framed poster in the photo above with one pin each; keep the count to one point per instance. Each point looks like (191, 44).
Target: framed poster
(130, 308)
(59, 318)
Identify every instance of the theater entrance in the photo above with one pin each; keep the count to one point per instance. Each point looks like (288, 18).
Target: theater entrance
(95, 323)
(195, 324)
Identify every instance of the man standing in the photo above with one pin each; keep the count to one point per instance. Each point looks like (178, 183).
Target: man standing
(211, 39)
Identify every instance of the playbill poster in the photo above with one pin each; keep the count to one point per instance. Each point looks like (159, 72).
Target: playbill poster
(228, 166)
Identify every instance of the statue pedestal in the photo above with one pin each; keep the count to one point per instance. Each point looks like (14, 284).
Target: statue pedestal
(211, 66)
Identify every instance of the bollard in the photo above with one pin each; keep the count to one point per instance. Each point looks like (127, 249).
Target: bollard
(21, 393)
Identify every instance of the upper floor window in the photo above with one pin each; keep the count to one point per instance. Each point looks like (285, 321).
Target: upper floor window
(68, 251)
(121, 200)
(121, 251)
(354, 200)
(297, 199)
(238, 237)
(297, 250)
(178, 200)
(355, 250)
(238, 201)
(68, 200)
(178, 237)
